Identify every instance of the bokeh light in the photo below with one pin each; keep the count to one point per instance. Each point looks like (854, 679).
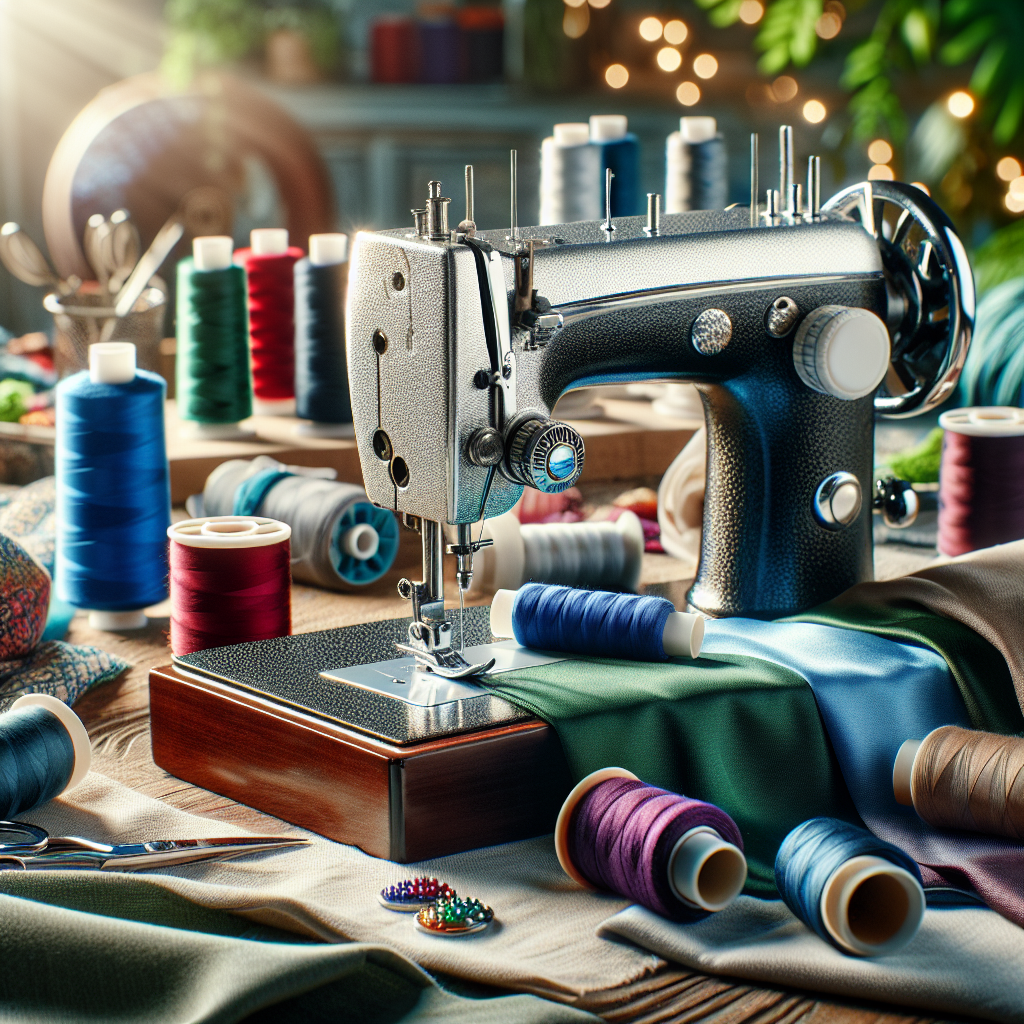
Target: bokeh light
(616, 76)
(961, 104)
(814, 111)
(705, 66)
(576, 21)
(1015, 204)
(922, 186)
(1017, 187)
(828, 25)
(669, 59)
(676, 31)
(650, 29)
(784, 89)
(1009, 168)
(881, 172)
(599, 3)
(688, 94)
(751, 12)
(879, 152)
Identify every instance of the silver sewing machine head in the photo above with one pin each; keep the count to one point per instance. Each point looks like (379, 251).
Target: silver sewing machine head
(797, 321)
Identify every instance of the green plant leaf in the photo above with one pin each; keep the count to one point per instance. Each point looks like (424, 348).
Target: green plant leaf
(1010, 113)
(1000, 258)
(726, 13)
(917, 34)
(787, 34)
(965, 45)
(990, 67)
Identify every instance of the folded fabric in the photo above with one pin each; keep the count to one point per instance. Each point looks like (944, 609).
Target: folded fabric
(27, 665)
(873, 695)
(543, 941)
(964, 960)
(81, 947)
(28, 516)
(984, 590)
(737, 731)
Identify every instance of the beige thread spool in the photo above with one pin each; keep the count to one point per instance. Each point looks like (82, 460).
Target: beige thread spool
(964, 779)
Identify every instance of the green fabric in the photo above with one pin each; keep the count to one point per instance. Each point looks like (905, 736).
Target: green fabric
(980, 671)
(703, 728)
(80, 947)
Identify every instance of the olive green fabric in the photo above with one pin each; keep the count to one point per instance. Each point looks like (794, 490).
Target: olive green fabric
(704, 728)
(980, 671)
(81, 947)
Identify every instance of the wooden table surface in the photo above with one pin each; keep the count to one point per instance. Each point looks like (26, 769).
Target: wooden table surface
(117, 717)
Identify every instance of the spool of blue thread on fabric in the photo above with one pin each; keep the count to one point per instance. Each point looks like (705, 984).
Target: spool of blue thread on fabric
(44, 752)
(321, 375)
(858, 892)
(696, 167)
(596, 624)
(620, 152)
(113, 489)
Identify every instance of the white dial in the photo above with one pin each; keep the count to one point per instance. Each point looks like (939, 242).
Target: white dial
(842, 351)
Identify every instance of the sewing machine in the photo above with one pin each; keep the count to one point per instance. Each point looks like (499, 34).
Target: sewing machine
(788, 317)
(796, 324)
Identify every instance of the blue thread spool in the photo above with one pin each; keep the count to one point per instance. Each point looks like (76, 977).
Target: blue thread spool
(113, 489)
(855, 890)
(321, 376)
(696, 167)
(620, 152)
(44, 752)
(596, 624)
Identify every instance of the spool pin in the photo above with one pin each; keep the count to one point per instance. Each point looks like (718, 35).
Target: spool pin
(704, 871)
(683, 636)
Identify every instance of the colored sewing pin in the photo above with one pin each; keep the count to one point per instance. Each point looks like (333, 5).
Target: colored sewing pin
(412, 894)
(451, 916)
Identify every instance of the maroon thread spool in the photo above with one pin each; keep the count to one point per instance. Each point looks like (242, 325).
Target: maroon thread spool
(981, 478)
(394, 49)
(230, 581)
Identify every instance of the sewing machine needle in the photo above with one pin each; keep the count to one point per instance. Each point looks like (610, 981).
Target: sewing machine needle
(462, 612)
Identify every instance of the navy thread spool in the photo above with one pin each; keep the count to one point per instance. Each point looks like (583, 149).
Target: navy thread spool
(44, 752)
(855, 890)
(321, 376)
(113, 489)
(571, 182)
(214, 380)
(605, 556)
(596, 624)
(681, 858)
(696, 167)
(339, 539)
(981, 478)
(620, 152)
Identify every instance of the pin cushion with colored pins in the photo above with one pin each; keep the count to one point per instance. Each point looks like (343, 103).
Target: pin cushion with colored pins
(413, 894)
(454, 916)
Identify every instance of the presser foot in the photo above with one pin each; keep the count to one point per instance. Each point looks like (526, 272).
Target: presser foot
(430, 643)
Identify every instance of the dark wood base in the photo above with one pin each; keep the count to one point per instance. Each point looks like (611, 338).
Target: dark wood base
(403, 803)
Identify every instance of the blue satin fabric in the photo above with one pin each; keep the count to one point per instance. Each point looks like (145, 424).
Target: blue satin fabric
(873, 694)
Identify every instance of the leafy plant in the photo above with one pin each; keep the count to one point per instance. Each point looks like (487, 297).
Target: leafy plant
(208, 33)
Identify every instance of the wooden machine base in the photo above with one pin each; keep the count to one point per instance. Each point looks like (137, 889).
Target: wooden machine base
(404, 803)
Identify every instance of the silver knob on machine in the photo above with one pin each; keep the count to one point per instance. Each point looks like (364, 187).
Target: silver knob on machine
(837, 501)
(842, 351)
(542, 453)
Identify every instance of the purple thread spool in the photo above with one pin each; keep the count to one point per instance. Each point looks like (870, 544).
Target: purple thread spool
(679, 857)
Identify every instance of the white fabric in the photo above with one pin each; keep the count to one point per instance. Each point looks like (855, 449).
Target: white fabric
(964, 960)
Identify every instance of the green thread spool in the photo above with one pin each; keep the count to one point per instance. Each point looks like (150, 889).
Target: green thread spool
(214, 379)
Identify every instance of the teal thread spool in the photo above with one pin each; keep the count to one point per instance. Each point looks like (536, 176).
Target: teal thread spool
(214, 378)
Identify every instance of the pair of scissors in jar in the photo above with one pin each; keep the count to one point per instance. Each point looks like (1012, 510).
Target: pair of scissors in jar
(25, 847)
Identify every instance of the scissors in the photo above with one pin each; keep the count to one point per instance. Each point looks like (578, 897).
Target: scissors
(25, 847)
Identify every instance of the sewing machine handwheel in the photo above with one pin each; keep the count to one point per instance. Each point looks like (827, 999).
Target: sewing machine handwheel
(931, 291)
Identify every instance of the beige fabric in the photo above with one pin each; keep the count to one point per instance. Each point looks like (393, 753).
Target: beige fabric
(964, 960)
(984, 590)
(543, 940)
(681, 502)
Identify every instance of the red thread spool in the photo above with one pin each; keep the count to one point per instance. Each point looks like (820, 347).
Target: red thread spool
(230, 581)
(981, 478)
(269, 267)
(394, 49)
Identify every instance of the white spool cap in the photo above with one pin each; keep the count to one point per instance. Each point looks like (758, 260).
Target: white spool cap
(571, 133)
(328, 249)
(984, 421)
(841, 351)
(698, 129)
(871, 907)
(112, 362)
(362, 541)
(212, 252)
(71, 722)
(229, 532)
(608, 127)
(114, 622)
(705, 870)
(268, 241)
(903, 772)
(683, 636)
